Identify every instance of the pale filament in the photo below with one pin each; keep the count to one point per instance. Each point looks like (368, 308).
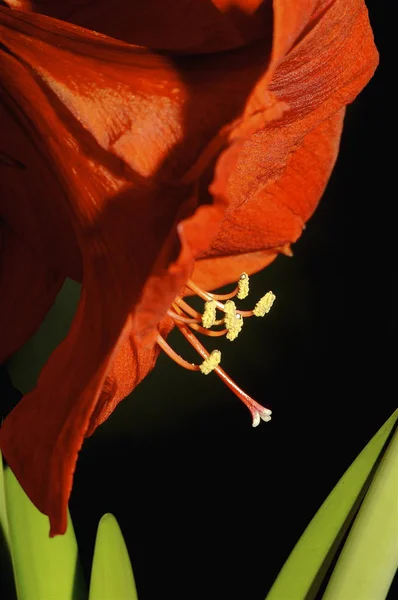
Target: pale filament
(191, 321)
(225, 296)
(182, 319)
(188, 309)
(208, 332)
(245, 313)
(202, 294)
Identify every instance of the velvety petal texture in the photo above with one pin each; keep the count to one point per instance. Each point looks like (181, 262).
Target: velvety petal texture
(144, 164)
(182, 26)
(28, 288)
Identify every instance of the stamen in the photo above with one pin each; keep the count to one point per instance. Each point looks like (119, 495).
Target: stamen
(257, 411)
(186, 319)
(264, 305)
(211, 362)
(188, 309)
(198, 291)
(174, 356)
(208, 296)
(241, 290)
(233, 321)
(243, 286)
(208, 332)
(194, 323)
(209, 314)
(177, 317)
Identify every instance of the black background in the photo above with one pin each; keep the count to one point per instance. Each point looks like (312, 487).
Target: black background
(209, 507)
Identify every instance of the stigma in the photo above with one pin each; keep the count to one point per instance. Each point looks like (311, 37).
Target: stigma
(220, 317)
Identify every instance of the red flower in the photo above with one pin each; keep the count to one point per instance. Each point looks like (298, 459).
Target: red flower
(138, 170)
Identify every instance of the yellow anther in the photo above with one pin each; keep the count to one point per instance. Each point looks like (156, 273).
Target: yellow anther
(233, 321)
(209, 314)
(211, 362)
(264, 305)
(243, 286)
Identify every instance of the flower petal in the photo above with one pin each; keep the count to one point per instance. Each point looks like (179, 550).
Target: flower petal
(128, 135)
(274, 217)
(106, 119)
(316, 155)
(27, 290)
(267, 198)
(35, 258)
(30, 204)
(177, 26)
(133, 362)
(128, 251)
(127, 97)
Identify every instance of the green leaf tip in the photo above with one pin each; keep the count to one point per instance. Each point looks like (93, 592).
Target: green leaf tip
(369, 559)
(111, 573)
(44, 567)
(3, 508)
(7, 584)
(301, 575)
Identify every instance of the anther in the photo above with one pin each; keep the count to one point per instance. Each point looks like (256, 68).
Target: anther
(209, 314)
(233, 321)
(211, 362)
(243, 286)
(264, 305)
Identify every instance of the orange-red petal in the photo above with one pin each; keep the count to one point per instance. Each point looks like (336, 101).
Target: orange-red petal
(130, 136)
(27, 290)
(132, 364)
(177, 26)
(128, 251)
(271, 177)
(107, 119)
(281, 208)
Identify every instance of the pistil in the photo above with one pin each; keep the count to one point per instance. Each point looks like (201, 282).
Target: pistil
(258, 412)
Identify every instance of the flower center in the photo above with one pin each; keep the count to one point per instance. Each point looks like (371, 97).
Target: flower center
(188, 320)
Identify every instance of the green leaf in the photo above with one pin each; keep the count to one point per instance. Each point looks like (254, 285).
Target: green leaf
(44, 568)
(3, 509)
(307, 564)
(7, 586)
(111, 573)
(369, 559)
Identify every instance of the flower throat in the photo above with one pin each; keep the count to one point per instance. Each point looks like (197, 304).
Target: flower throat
(231, 318)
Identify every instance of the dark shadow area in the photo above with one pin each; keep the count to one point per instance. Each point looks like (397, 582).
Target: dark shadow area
(9, 395)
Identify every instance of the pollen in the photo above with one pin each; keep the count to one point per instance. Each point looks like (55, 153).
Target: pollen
(209, 314)
(211, 362)
(233, 321)
(243, 286)
(264, 305)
